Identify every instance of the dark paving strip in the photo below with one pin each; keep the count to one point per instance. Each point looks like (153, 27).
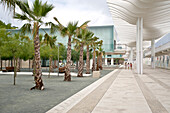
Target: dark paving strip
(87, 104)
(154, 104)
(164, 70)
(158, 81)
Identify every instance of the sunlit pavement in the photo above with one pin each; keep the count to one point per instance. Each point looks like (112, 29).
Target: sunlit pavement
(122, 91)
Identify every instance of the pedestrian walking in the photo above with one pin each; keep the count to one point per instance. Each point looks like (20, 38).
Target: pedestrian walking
(131, 66)
(125, 65)
(128, 65)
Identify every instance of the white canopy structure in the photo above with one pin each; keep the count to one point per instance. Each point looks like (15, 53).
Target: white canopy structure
(140, 20)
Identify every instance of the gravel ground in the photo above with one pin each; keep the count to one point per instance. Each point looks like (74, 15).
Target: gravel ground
(19, 99)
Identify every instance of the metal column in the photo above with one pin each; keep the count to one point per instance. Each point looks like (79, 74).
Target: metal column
(153, 53)
(139, 46)
(131, 55)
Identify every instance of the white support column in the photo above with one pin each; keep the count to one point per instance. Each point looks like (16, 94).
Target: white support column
(112, 60)
(105, 61)
(131, 55)
(139, 46)
(153, 53)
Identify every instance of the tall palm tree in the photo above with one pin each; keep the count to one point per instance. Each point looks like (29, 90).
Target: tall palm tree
(88, 43)
(71, 30)
(50, 41)
(34, 15)
(99, 53)
(94, 46)
(83, 37)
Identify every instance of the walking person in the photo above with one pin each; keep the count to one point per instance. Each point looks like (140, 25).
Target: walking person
(128, 65)
(125, 65)
(131, 66)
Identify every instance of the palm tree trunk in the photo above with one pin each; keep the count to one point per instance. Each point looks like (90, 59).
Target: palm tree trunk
(9, 63)
(1, 63)
(80, 68)
(38, 80)
(33, 66)
(67, 76)
(88, 61)
(50, 67)
(55, 62)
(15, 69)
(100, 66)
(98, 59)
(94, 60)
(29, 64)
(18, 66)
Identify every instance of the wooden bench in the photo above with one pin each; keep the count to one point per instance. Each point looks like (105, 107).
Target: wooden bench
(62, 69)
(8, 69)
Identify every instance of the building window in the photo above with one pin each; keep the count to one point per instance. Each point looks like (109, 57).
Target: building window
(109, 55)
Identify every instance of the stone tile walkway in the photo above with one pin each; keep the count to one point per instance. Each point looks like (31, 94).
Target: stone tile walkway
(122, 91)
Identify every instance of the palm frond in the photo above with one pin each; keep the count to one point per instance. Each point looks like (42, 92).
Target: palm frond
(37, 8)
(61, 44)
(64, 32)
(26, 28)
(45, 9)
(10, 4)
(60, 25)
(40, 37)
(40, 9)
(72, 27)
(50, 40)
(76, 41)
(77, 47)
(84, 25)
(23, 37)
(24, 6)
(21, 17)
(53, 28)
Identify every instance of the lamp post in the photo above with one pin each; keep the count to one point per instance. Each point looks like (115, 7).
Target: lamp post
(58, 58)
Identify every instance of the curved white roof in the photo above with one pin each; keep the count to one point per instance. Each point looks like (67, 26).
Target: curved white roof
(155, 13)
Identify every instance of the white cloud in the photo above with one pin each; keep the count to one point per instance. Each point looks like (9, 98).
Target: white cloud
(72, 10)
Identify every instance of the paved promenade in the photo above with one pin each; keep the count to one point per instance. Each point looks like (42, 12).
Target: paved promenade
(122, 91)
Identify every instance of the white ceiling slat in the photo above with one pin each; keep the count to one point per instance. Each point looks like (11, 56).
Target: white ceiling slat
(156, 15)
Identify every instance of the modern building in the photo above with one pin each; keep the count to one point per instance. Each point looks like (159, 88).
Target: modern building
(113, 52)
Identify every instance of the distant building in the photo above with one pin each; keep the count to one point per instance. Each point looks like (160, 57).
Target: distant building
(105, 33)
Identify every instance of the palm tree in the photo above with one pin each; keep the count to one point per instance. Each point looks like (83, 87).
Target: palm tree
(88, 42)
(35, 15)
(94, 46)
(100, 52)
(70, 31)
(50, 41)
(82, 37)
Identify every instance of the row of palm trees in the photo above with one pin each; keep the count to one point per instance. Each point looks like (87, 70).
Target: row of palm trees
(78, 35)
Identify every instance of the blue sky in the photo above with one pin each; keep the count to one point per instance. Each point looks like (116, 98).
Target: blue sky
(69, 10)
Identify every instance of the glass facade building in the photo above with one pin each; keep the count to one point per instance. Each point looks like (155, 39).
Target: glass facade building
(105, 33)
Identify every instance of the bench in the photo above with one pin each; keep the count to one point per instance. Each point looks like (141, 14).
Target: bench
(8, 69)
(62, 69)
